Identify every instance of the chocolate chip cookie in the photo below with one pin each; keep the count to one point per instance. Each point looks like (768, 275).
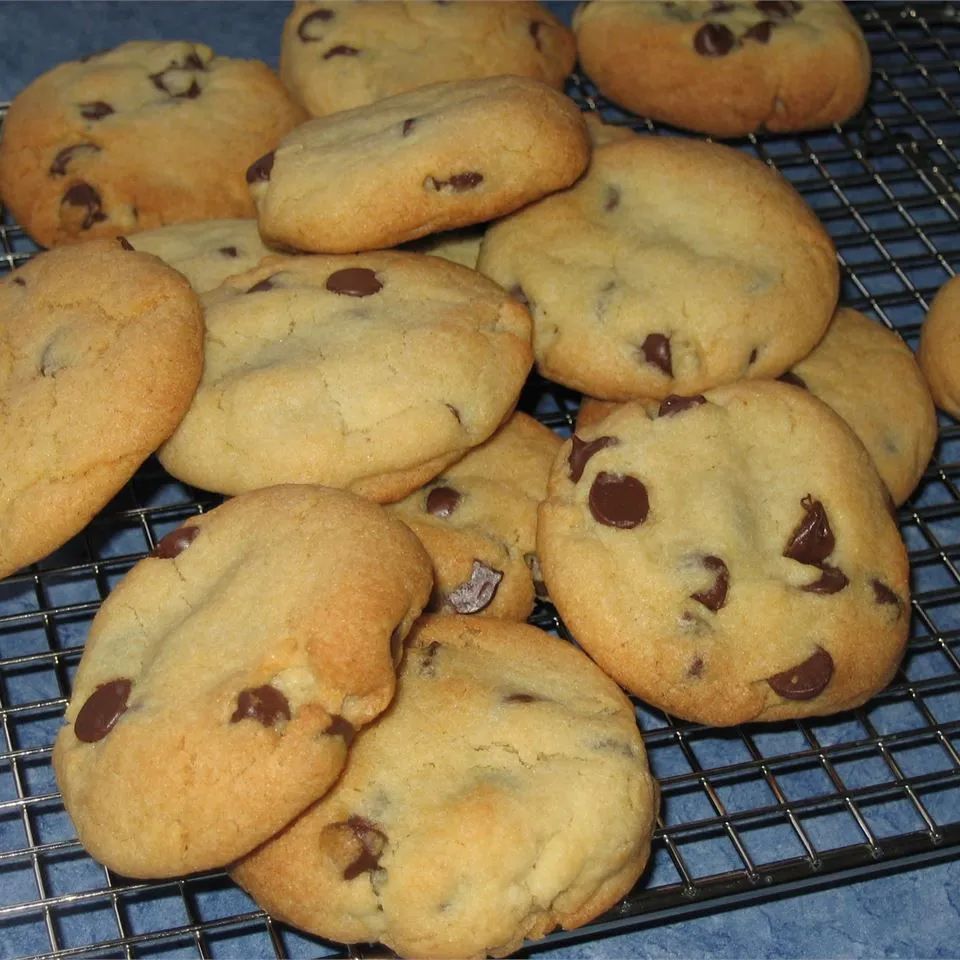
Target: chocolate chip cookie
(939, 354)
(727, 68)
(336, 56)
(100, 353)
(440, 157)
(136, 137)
(224, 677)
(671, 267)
(504, 793)
(478, 521)
(371, 373)
(774, 582)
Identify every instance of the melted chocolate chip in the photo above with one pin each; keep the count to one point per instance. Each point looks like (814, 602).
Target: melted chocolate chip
(339, 727)
(582, 450)
(125, 243)
(812, 541)
(713, 40)
(779, 9)
(656, 350)
(264, 704)
(522, 698)
(832, 580)
(477, 593)
(83, 195)
(104, 707)
(883, 594)
(354, 282)
(260, 169)
(806, 680)
(611, 198)
(316, 17)
(714, 598)
(341, 50)
(372, 842)
(618, 500)
(674, 404)
(760, 31)
(95, 110)
(175, 542)
(442, 501)
(458, 183)
(262, 286)
(792, 379)
(228, 251)
(61, 161)
(696, 667)
(408, 125)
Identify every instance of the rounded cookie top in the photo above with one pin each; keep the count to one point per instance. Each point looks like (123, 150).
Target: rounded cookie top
(444, 156)
(336, 56)
(224, 676)
(505, 792)
(775, 582)
(371, 373)
(671, 267)
(727, 68)
(939, 354)
(100, 353)
(478, 522)
(139, 136)
(206, 253)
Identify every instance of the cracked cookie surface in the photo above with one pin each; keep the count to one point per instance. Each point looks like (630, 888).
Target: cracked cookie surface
(223, 678)
(370, 373)
(939, 353)
(505, 792)
(741, 546)
(100, 353)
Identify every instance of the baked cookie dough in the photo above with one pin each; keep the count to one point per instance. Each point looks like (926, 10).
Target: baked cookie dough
(939, 353)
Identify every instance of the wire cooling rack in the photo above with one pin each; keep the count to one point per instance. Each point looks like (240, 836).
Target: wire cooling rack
(747, 813)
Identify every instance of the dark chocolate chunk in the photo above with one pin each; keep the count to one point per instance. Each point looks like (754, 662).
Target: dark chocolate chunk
(806, 680)
(341, 50)
(125, 243)
(264, 704)
(306, 29)
(262, 286)
(372, 843)
(477, 593)
(95, 110)
(832, 580)
(713, 40)
(339, 727)
(522, 698)
(696, 667)
(442, 501)
(535, 27)
(58, 167)
(582, 450)
(760, 31)
(260, 169)
(656, 350)
(228, 251)
(883, 594)
(104, 707)
(457, 183)
(714, 598)
(812, 541)
(674, 404)
(618, 500)
(792, 379)
(354, 282)
(175, 542)
(779, 9)
(611, 198)
(408, 125)
(83, 195)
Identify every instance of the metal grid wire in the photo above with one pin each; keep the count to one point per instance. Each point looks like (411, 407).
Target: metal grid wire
(747, 813)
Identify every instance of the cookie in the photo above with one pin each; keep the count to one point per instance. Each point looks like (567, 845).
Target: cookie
(100, 353)
(130, 139)
(371, 373)
(224, 677)
(726, 68)
(671, 267)
(478, 522)
(337, 56)
(457, 246)
(505, 792)
(774, 580)
(206, 253)
(939, 353)
(440, 157)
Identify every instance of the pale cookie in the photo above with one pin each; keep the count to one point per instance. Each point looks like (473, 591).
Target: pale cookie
(727, 68)
(730, 557)
(671, 267)
(146, 134)
(100, 353)
(371, 373)
(206, 253)
(440, 157)
(478, 522)
(225, 675)
(336, 56)
(939, 353)
(504, 793)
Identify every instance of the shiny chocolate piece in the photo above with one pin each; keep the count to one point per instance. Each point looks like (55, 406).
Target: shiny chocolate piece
(618, 500)
(442, 501)
(95, 110)
(582, 450)
(793, 380)
(58, 167)
(760, 31)
(372, 843)
(339, 727)
(307, 31)
(883, 594)
(457, 183)
(104, 707)
(656, 350)
(83, 195)
(477, 593)
(674, 404)
(341, 50)
(228, 251)
(832, 580)
(714, 40)
(263, 286)
(714, 598)
(611, 198)
(806, 680)
(264, 704)
(812, 541)
(125, 243)
(779, 9)
(354, 282)
(175, 542)
(408, 125)
(260, 169)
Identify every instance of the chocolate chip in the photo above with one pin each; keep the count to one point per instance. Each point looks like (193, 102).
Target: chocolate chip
(713, 40)
(83, 195)
(539, 587)
(696, 667)
(535, 27)
(339, 727)
(611, 198)
(316, 17)
(341, 50)
(752, 359)
(104, 707)
(354, 282)
(458, 183)
(58, 167)
(260, 169)
(228, 251)
(95, 110)
(760, 31)
(806, 680)
(656, 350)
(674, 404)
(792, 379)
(125, 243)
(582, 450)
(714, 598)
(779, 9)
(477, 593)
(442, 501)
(832, 580)
(518, 294)
(522, 698)
(192, 62)
(618, 500)
(883, 594)
(262, 286)
(408, 125)
(264, 704)
(372, 842)
(175, 542)
(427, 655)
(812, 541)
